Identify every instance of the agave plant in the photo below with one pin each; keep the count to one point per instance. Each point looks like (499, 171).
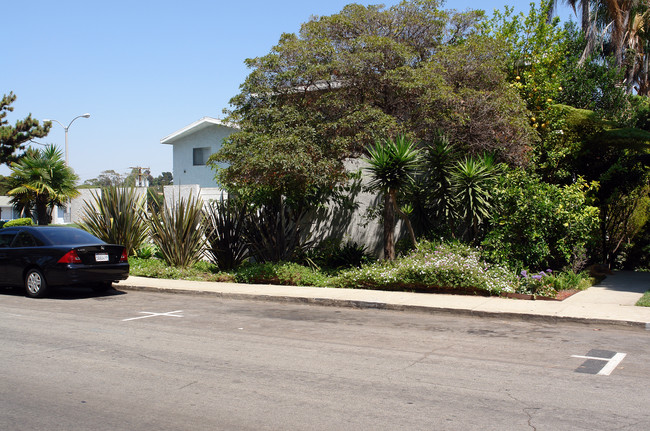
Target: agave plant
(116, 216)
(179, 232)
(226, 244)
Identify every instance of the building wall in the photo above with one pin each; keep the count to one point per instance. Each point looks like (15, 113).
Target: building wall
(184, 170)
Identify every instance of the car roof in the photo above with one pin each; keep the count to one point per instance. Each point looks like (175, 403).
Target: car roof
(47, 233)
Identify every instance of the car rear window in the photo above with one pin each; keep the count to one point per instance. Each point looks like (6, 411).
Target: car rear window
(66, 236)
(6, 238)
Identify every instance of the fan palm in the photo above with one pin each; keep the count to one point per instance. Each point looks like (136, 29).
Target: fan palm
(392, 166)
(42, 180)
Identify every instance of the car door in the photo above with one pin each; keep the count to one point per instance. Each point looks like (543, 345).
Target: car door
(7, 274)
(24, 250)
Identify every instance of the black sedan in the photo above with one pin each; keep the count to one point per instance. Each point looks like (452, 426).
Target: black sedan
(40, 257)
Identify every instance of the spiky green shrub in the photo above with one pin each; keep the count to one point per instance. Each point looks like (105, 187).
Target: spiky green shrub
(227, 247)
(179, 232)
(116, 215)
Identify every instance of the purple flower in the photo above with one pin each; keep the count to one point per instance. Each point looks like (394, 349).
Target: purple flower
(536, 277)
(524, 273)
(549, 270)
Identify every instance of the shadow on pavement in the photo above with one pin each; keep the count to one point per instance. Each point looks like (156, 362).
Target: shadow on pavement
(66, 293)
(626, 281)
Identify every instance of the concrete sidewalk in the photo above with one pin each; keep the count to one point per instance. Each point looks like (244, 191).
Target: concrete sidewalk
(609, 303)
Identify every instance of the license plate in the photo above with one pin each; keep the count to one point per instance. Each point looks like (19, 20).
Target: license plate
(101, 257)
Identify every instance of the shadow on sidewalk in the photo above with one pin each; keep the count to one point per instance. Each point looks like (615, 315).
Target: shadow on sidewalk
(626, 281)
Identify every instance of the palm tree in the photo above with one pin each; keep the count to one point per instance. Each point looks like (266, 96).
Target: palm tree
(41, 180)
(392, 166)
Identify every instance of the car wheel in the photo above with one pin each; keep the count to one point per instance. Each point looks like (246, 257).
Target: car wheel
(102, 287)
(35, 284)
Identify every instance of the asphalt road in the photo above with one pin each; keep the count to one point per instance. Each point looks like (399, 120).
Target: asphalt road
(156, 361)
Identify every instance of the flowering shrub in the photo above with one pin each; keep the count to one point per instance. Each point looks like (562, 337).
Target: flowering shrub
(433, 267)
(548, 283)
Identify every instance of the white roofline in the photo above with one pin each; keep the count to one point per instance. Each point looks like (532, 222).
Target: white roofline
(195, 126)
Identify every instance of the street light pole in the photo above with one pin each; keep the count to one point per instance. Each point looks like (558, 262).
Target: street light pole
(86, 115)
(67, 217)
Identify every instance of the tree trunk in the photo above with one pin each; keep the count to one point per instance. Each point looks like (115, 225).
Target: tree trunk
(389, 225)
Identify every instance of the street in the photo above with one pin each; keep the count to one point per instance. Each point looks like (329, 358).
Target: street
(135, 360)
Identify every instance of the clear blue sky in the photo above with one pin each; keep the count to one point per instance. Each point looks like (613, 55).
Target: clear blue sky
(142, 69)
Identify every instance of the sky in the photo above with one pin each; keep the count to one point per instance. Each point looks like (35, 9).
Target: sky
(143, 69)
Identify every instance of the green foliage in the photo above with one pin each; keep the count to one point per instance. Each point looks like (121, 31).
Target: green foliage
(25, 221)
(392, 166)
(116, 215)
(145, 251)
(13, 138)
(41, 180)
(178, 232)
(540, 225)
(645, 300)
(472, 181)
(227, 246)
(283, 273)
(330, 91)
(333, 254)
(156, 268)
(276, 231)
(433, 267)
(548, 283)
(453, 196)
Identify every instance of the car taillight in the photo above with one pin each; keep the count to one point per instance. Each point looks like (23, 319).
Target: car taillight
(70, 257)
(124, 257)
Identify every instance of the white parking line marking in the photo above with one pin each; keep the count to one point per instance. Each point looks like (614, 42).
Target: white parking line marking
(150, 314)
(612, 363)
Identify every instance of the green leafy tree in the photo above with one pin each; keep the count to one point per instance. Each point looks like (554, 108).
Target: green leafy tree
(393, 164)
(541, 225)
(108, 178)
(13, 138)
(327, 93)
(41, 179)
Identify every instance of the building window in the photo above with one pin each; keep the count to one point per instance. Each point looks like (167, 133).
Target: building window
(200, 156)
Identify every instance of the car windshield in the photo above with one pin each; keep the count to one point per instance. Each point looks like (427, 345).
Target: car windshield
(65, 236)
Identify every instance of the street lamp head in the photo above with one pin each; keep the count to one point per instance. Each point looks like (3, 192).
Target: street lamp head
(86, 115)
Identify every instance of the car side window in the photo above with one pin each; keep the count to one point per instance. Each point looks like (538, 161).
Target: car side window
(6, 238)
(23, 239)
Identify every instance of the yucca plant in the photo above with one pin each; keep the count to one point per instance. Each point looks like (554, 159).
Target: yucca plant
(393, 165)
(116, 215)
(226, 244)
(473, 180)
(179, 232)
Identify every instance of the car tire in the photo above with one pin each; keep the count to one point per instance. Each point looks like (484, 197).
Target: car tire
(35, 284)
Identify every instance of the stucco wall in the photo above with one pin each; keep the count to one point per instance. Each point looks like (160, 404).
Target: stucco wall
(184, 170)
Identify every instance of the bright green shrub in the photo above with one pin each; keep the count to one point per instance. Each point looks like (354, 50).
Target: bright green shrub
(283, 273)
(540, 225)
(26, 221)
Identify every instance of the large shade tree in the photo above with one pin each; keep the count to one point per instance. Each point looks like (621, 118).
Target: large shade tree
(41, 180)
(345, 80)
